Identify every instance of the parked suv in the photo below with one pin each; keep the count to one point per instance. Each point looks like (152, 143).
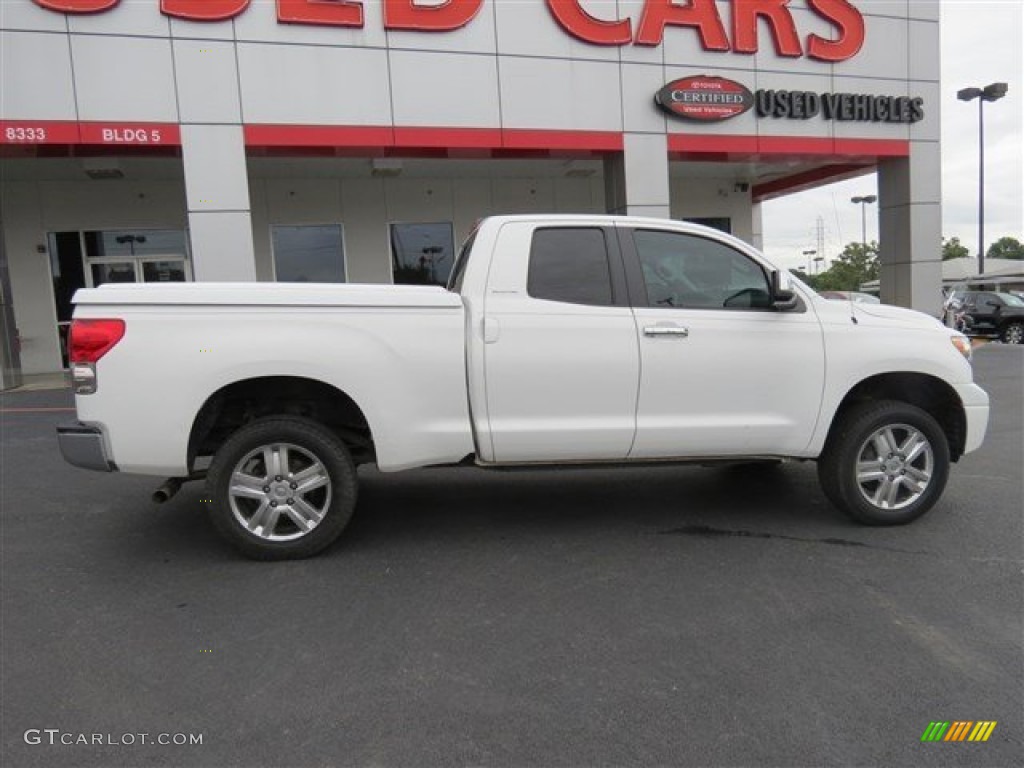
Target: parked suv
(993, 313)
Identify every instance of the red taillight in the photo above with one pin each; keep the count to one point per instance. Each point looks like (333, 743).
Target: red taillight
(92, 339)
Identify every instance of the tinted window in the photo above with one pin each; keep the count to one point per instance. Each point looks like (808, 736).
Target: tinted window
(987, 299)
(689, 271)
(1010, 300)
(422, 254)
(139, 242)
(570, 265)
(309, 254)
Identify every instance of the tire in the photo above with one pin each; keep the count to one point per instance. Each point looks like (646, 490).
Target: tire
(904, 463)
(1013, 333)
(293, 512)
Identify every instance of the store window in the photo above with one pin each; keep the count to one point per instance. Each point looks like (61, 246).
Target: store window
(133, 243)
(422, 254)
(309, 254)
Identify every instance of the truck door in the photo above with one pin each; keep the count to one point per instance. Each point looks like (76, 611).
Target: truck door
(561, 357)
(724, 373)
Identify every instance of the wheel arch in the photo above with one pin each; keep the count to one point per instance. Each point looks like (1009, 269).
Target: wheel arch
(244, 400)
(929, 393)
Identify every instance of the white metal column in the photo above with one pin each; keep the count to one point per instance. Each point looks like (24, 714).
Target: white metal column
(910, 224)
(636, 182)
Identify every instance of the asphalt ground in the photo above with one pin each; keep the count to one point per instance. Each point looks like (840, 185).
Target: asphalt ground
(665, 616)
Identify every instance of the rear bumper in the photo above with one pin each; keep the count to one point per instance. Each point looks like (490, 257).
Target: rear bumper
(82, 446)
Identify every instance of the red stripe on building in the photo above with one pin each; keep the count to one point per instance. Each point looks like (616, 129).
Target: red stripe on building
(685, 145)
(363, 136)
(873, 147)
(130, 134)
(32, 132)
(448, 138)
(426, 137)
(594, 141)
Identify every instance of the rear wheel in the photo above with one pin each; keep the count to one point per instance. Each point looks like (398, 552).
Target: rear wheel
(886, 463)
(1013, 333)
(281, 487)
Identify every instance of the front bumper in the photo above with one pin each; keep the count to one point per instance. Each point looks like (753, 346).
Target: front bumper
(82, 446)
(975, 401)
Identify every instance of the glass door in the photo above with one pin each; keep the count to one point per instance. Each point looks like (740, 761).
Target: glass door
(111, 271)
(151, 269)
(165, 269)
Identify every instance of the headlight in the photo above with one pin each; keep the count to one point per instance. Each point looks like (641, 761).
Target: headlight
(963, 345)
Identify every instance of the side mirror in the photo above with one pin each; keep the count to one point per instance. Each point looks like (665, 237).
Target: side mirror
(783, 297)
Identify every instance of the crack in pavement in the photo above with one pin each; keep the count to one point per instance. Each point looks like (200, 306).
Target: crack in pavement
(709, 532)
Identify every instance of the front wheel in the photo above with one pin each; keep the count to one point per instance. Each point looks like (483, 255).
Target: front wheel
(885, 463)
(281, 488)
(1013, 333)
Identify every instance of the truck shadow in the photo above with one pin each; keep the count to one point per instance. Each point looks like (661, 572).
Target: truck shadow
(441, 507)
(451, 503)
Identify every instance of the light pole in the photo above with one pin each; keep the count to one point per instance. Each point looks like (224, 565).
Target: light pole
(991, 92)
(808, 254)
(131, 240)
(863, 201)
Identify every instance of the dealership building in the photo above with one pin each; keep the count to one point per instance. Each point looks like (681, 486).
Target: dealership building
(360, 140)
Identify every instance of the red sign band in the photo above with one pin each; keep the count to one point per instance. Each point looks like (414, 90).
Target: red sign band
(37, 132)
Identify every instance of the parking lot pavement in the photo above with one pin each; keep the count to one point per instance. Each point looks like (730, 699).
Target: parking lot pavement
(670, 616)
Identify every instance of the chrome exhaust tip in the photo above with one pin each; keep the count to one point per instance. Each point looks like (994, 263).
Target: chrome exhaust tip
(166, 491)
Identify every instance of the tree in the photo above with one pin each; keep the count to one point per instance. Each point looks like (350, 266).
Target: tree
(954, 249)
(809, 280)
(856, 264)
(1006, 248)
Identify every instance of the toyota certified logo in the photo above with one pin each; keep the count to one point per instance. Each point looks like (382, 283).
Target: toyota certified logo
(704, 98)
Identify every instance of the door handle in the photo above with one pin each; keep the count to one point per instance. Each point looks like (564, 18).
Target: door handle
(666, 330)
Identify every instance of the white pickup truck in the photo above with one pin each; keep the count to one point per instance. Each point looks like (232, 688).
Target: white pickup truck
(560, 340)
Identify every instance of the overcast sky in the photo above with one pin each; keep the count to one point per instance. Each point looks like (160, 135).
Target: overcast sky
(981, 44)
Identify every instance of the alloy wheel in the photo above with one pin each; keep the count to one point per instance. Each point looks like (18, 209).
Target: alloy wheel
(279, 492)
(894, 466)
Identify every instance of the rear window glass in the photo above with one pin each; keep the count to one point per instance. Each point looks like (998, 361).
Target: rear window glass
(570, 264)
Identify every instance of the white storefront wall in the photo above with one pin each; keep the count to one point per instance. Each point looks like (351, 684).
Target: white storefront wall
(512, 75)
